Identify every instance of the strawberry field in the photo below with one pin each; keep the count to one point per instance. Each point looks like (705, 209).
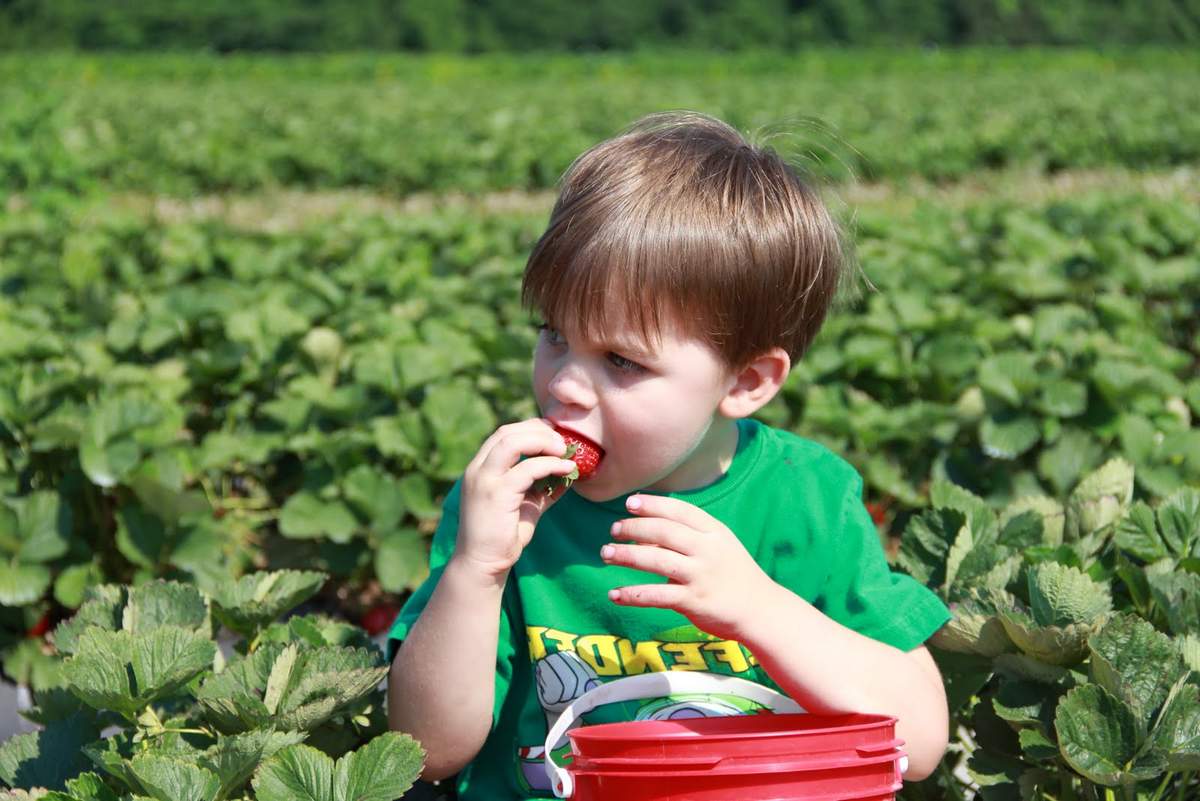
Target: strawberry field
(197, 408)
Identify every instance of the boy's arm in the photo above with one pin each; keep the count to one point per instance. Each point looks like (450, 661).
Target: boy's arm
(441, 688)
(828, 668)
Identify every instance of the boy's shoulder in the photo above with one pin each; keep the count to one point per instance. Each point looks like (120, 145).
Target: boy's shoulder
(789, 452)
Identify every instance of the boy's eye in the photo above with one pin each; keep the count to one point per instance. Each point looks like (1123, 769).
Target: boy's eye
(551, 334)
(623, 364)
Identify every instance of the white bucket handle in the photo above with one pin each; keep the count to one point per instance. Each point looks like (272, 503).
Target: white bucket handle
(653, 685)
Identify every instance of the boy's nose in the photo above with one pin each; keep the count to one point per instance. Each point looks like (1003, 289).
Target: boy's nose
(570, 386)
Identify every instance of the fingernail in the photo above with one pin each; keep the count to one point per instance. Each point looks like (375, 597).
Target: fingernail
(633, 504)
(607, 551)
(616, 528)
(614, 595)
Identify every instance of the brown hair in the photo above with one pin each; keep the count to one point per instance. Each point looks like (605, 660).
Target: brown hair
(684, 221)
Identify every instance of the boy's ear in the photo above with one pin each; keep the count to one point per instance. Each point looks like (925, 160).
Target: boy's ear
(756, 383)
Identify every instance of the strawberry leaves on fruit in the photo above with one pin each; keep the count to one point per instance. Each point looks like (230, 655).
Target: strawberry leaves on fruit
(583, 452)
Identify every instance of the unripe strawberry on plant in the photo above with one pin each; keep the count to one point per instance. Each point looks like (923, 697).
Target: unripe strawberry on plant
(583, 452)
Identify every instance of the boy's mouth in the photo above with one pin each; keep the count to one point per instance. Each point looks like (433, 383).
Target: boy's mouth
(582, 450)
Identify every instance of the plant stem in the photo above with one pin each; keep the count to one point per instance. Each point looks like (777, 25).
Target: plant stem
(1185, 780)
(1162, 786)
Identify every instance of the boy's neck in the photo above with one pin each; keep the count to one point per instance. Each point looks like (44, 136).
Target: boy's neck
(709, 462)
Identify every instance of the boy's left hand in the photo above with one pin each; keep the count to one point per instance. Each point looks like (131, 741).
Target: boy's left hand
(713, 580)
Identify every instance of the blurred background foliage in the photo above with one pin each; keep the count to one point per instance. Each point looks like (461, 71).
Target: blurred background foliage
(475, 26)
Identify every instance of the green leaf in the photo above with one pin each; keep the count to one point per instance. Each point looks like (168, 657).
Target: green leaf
(1022, 702)
(169, 779)
(165, 603)
(47, 758)
(1050, 645)
(124, 672)
(375, 495)
(1008, 435)
(980, 517)
(324, 682)
(974, 626)
(402, 560)
(141, 537)
(1178, 594)
(382, 770)
(1137, 534)
(1065, 461)
(1061, 595)
(254, 600)
(296, 773)
(1177, 733)
(1063, 398)
(45, 527)
(1179, 519)
(109, 447)
(90, 787)
(1022, 531)
(1097, 734)
(104, 608)
(1136, 664)
(418, 497)
(1009, 376)
(278, 680)
(926, 544)
(1037, 746)
(1100, 499)
(73, 581)
(23, 584)
(460, 420)
(1049, 510)
(233, 759)
(305, 516)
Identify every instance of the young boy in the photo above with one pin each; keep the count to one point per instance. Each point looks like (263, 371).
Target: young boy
(683, 272)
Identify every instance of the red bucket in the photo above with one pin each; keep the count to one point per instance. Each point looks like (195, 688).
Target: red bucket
(760, 757)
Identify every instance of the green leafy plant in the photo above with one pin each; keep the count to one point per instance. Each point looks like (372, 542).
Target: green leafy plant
(298, 706)
(1069, 675)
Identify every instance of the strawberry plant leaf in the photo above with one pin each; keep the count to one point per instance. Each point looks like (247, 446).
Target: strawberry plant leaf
(1100, 499)
(233, 759)
(165, 603)
(1135, 663)
(1061, 596)
(49, 757)
(1007, 435)
(44, 526)
(1179, 520)
(22, 584)
(402, 560)
(1177, 732)
(123, 671)
(103, 608)
(1097, 734)
(169, 779)
(1137, 534)
(296, 773)
(254, 600)
(382, 770)
(90, 787)
(305, 516)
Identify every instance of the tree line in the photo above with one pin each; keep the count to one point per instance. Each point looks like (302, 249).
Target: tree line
(476, 26)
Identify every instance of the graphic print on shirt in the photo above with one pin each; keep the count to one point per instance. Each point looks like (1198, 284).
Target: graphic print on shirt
(567, 665)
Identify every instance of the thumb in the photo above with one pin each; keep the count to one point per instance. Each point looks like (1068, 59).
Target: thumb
(531, 511)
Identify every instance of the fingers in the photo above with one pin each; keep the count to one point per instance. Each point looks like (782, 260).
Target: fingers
(660, 532)
(661, 596)
(660, 561)
(673, 509)
(521, 477)
(507, 444)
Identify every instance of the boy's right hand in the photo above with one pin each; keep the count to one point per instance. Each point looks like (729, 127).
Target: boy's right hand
(499, 510)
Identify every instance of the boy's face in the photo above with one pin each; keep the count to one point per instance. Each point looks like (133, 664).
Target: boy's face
(652, 406)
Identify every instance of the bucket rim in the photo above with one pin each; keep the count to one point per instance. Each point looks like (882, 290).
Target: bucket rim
(605, 731)
(704, 761)
(741, 769)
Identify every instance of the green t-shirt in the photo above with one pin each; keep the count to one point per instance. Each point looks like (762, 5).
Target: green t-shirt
(795, 506)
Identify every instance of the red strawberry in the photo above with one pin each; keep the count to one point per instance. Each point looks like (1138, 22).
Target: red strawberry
(379, 618)
(583, 452)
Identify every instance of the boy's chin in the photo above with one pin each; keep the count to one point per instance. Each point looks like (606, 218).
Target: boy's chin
(597, 493)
